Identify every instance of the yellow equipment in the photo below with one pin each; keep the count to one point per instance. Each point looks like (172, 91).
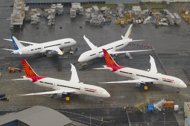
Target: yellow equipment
(67, 98)
(145, 88)
(124, 20)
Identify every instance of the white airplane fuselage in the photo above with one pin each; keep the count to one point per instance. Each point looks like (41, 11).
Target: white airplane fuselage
(97, 53)
(41, 47)
(157, 78)
(80, 88)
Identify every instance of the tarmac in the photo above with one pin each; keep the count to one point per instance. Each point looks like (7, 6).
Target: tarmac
(171, 51)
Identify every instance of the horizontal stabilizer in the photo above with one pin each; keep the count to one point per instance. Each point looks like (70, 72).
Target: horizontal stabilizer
(102, 68)
(7, 49)
(8, 40)
(25, 42)
(22, 79)
(140, 40)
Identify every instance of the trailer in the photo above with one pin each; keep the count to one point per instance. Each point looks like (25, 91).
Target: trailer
(186, 109)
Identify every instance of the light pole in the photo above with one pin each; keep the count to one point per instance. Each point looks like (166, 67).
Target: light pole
(128, 118)
(164, 117)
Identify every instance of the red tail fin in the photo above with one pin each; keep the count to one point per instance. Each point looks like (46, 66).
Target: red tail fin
(28, 69)
(110, 62)
(30, 73)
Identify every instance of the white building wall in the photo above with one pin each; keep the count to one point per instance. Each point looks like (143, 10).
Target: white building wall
(165, 0)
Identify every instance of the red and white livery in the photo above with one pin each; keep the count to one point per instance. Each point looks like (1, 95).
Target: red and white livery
(141, 77)
(61, 87)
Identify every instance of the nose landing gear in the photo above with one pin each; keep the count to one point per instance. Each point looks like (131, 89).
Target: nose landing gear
(143, 86)
(66, 97)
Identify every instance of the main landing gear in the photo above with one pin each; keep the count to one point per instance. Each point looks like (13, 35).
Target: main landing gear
(66, 97)
(145, 87)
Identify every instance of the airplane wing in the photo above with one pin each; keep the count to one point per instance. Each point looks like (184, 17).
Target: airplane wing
(130, 51)
(49, 92)
(30, 43)
(92, 46)
(142, 80)
(74, 75)
(153, 67)
(56, 49)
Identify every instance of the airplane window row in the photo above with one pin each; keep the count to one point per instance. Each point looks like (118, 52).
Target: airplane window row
(147, 77)
(125, 72)
(119, 45)
(35, 49)
(68, 87)
(52, 45)
(66, 42)
(46, 83)
(109, 48)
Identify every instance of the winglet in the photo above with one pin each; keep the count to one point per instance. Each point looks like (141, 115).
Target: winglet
(29, 72)
(74, 75)
(153, 67)
(128, 33)
(110, 62)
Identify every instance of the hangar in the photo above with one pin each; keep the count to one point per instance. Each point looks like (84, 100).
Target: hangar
(35, 116)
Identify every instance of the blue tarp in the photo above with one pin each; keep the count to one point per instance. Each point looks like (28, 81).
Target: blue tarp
(150, 107)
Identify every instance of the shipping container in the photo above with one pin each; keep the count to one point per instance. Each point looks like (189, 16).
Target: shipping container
(187, 121)
(168, 104)
(186, 109)
(150, 107)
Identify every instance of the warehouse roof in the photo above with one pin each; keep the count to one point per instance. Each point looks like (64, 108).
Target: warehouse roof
(79, 1)
(37, 116)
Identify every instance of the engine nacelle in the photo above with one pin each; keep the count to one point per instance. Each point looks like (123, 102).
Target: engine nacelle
(51, 53)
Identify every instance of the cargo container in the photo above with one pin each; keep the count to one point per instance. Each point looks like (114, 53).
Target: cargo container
(187, 121)
(186, 109)
(150, 107)
(168, 104)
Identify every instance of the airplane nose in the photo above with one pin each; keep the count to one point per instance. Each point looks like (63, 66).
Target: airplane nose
(106, 94)
(183, 85)
(81, 59)
(74, 42)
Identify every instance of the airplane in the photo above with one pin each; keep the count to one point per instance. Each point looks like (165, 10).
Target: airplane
(61, 87)
(112, 48)
(141, 77)
(48, 48)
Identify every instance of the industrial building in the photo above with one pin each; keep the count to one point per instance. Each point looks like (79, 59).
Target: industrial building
(80, 1)
(98, 1)
(35, 116)
(17, 17)
(128, 104)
